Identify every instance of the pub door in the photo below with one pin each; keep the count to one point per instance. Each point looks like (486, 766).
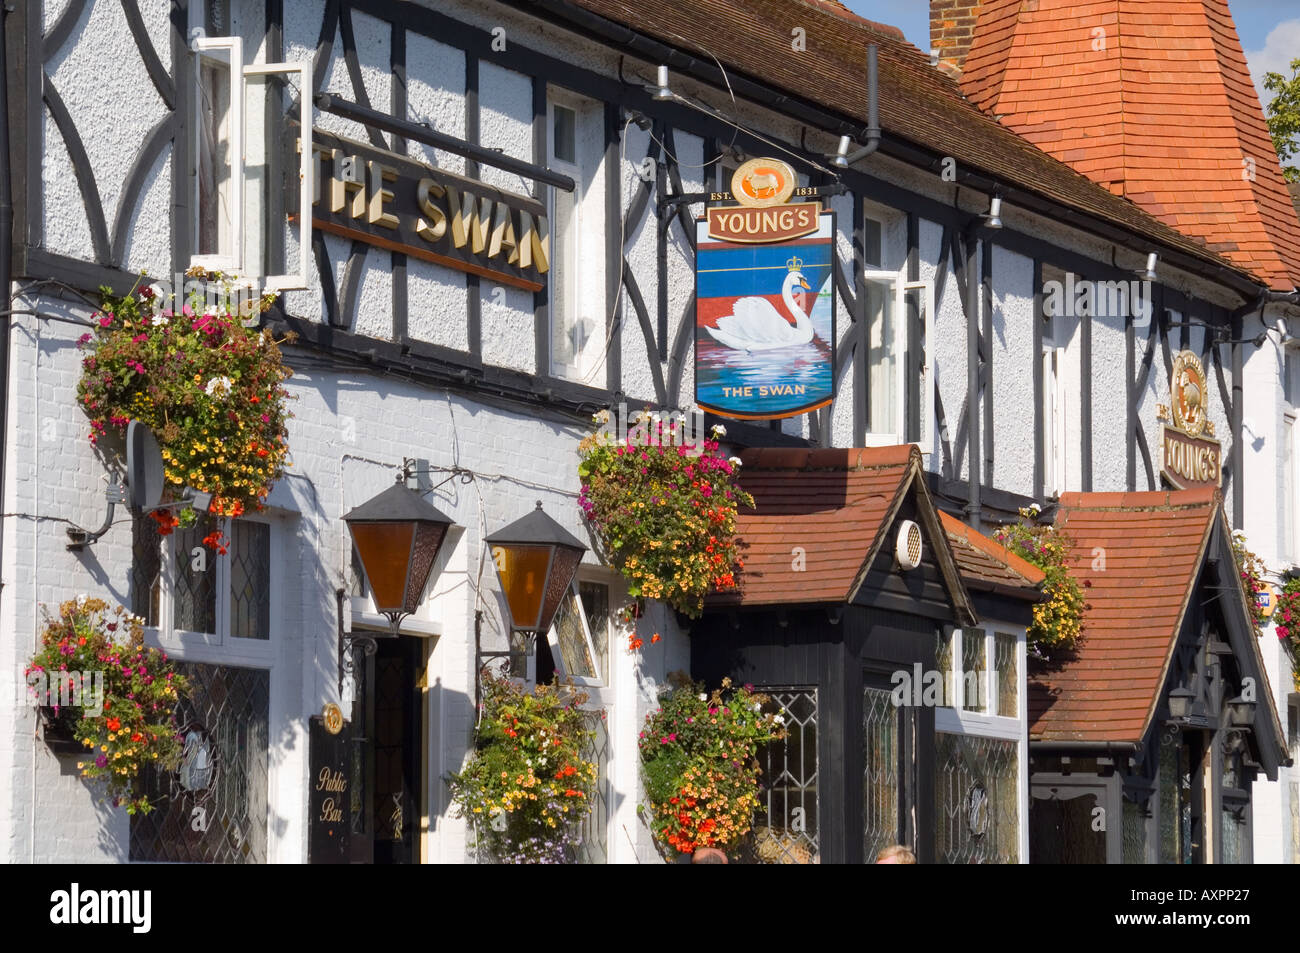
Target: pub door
(388, 727)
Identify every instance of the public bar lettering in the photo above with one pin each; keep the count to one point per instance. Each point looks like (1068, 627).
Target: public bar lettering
(331, 796)
(385, 199)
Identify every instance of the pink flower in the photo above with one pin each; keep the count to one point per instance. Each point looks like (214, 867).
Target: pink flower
(105, 321)
(139, 338)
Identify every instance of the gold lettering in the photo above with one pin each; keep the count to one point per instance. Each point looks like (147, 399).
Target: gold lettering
(340, 187)
(379, 174)
(470, 219)
(332, 781)
(317, 151)
(329, 813)
(535, 244)
(503, 233)
(435, 226)
(787, 220)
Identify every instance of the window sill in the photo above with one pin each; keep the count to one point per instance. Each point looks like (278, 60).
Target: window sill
(958, 721)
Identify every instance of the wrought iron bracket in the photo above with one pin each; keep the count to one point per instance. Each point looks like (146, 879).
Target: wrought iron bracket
(348, 644)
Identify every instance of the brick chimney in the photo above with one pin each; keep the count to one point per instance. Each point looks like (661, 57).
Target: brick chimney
(952, 29)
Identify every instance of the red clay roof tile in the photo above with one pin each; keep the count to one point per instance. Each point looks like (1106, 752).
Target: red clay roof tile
(1177, 82)
(1137, 555)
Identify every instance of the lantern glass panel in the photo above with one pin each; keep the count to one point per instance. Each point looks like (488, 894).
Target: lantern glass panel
(522, 570)
(562, 573)
(385, 551)
(428, 537)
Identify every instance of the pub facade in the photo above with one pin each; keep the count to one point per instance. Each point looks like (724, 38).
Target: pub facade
(485, 223)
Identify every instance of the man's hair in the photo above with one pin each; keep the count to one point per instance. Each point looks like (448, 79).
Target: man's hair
(899, 853)
(709, 855)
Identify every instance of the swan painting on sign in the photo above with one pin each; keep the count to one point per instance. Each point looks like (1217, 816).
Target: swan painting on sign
(765, 324)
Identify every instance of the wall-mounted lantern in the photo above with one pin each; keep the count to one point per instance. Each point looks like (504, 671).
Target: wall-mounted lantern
(1241, 712)
(1180, 703)
(536, 559)
(397, 535)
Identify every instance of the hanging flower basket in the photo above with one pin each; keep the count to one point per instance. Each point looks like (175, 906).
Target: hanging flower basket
(1286, 622)
(699, 764)
(1251, 572)
(664, 513)
(209, 388)
(1058, 619)
(528, 787)
(105, 695)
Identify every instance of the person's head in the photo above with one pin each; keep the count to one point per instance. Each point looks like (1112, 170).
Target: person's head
(708, 855)
(897, 854)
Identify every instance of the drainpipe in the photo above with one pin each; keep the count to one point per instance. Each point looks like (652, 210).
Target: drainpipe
(974, 443)
(6, 248)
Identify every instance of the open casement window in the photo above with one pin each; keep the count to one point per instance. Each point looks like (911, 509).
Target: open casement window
(204, 604)
(575, 283)
(253, 181)
(570, 638)
(900, 389)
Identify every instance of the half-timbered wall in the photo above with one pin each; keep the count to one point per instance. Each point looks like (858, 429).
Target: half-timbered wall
(416, 359)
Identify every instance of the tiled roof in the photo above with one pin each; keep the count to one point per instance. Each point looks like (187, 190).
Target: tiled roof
(831, 503)
(1152, 544)
(1153, 100)
(917, 102)
(986, 563)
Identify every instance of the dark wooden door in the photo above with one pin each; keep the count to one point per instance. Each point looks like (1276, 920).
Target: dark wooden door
(395, 743)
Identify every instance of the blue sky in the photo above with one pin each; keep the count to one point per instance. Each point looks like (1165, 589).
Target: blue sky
(1269, 29)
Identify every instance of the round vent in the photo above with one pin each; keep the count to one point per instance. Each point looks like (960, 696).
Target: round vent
(908, 547)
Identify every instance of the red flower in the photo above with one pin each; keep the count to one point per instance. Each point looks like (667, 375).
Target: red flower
(114, 724)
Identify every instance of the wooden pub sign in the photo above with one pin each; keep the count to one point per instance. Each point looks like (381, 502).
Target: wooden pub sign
(330, 811)
(1190, 455)
(393, 202)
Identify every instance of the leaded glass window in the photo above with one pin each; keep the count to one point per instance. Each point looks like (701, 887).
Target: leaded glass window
(973, 668)
(1169, 782)
(1065, 830)
(595, 603)
(881, 782)
(1006, 674)
(785, 824)
(943, 661)
(594, 847)
(213, 809)
(1135, 832)
(569, 635)
(977, 800)
(250, 568)
(194, 579)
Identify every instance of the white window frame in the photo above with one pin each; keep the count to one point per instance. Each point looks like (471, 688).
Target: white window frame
(576, 373)
(600, 679)
(294, 280)
(219, 648)
(899, 288)
(229, 50)
(988, 724)
(1053, 398)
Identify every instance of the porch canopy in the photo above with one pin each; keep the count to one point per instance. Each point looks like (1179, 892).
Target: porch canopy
(823, 532)
(1151, 565)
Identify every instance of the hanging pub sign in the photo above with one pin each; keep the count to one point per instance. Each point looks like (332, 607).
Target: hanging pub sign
(1190, 456)
(393, 202)
(764, 299)
(330, 807)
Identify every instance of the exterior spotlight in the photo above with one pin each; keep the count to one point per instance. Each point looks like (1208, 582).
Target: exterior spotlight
(994, 217)
(1151, 266)
(663, 92)
(841, 158)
